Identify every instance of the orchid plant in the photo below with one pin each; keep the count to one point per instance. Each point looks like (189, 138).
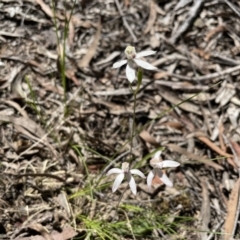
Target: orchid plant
(133, 57)
(157, 165)
(157, 169)
(125, 172)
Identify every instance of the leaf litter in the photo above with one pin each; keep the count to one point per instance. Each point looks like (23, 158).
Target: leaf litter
(51, 147)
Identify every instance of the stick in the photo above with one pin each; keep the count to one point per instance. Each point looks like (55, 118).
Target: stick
(125, 21)
(193, 12)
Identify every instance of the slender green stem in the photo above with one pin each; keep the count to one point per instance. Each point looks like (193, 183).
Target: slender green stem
(139, 81)
(62, 49)
(134, 117)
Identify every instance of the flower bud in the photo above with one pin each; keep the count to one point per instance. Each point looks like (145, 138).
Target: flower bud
(130, 52)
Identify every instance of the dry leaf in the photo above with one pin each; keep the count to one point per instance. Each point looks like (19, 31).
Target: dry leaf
(92, 49)
(176, 148)
(216, 30)
(147, 137)
(71, 33)
(205, 210)
(213, 146)
(152, 17)
(45, 8)
(171, 97)
(231, 213)
(67, 233)
(160, 75)
(201, 53)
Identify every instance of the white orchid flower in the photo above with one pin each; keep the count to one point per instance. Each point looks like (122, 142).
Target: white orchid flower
(133, 57)
(157, 169)
(125, 172)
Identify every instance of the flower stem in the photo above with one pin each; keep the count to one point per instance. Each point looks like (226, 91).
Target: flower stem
(139, 81)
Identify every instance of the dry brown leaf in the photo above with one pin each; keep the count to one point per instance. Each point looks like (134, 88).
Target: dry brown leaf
(236, 147)
(160, 75)
(201, 53)
(216, 30)
(152, 17)
(84, 62)
(126, 3)
(67, 233)
(30, 126)
(45, 7)
(27, 123)
(147, 137)
(220, 137)
(176, 148)
(39, 228)
(63, 201)
(17, 107)
(174, 125)
(171, 97)
(71, 33)
(16, 84)
(79, 23)
(231, 213)
(205, 210)
(213, 146)
(117, 109)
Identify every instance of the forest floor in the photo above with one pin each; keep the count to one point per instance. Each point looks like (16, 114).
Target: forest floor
(67, 117)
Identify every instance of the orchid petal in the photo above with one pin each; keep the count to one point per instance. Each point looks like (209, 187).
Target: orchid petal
(130, 72)
(144, 64)
(149, 179)
(157, 155)
(114, 170)
(145, 53)
(166, 180)
(133, 186)
(137, 172)
(119, 63)
(117, 182)
(170, 163)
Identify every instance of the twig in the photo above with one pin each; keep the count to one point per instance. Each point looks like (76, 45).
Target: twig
(215, 229)
(37, 175)
(235, 156)
(193, 12)
(234, 8)
(208, 76)
(8, 34)
(125, 21)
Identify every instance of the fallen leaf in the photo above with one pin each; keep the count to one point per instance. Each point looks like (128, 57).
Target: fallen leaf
(202, 53)
(189, 155)
(231, 212)
(205, 210)
(84, 62)
(45, 8)
(39, 228)
(160, 75)
(171, 97)
(147, 137)
(67, 233)
(152, 17)
(216, 30)
(71, 33)
(213, 146)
